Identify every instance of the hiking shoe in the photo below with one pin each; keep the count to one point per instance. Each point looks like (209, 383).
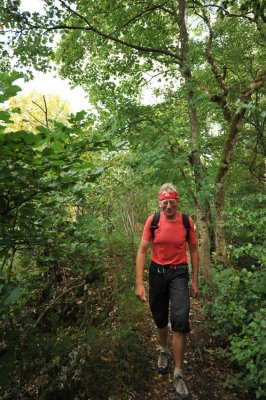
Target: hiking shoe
(180, 387)
(163, 362)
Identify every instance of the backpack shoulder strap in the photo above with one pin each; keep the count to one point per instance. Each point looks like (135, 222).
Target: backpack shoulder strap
(186, 224)
(154, 223)
(156, 219)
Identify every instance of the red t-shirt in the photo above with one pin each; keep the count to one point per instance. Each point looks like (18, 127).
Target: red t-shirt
(169, 244)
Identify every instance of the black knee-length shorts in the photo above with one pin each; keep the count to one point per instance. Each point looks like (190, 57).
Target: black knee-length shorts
(168, 289)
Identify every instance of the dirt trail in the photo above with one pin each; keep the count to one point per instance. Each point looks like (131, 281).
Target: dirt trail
(204, 372)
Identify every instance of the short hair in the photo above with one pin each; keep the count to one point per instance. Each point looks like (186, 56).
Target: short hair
(167, 187)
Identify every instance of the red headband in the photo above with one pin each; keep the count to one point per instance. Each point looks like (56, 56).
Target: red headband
(168, 195)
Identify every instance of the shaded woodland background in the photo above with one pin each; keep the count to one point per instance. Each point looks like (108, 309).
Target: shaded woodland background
(75, 190)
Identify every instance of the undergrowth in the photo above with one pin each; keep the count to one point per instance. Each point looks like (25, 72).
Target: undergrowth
(77, 337)
(235, 308)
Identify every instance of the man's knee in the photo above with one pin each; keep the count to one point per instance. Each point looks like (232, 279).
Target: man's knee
(161, 320)
(180, 321)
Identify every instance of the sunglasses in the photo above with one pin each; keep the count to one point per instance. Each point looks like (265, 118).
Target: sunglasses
(164, 203)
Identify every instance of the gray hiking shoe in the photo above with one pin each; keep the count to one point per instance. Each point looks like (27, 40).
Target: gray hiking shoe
(180, 387)
(163, 362)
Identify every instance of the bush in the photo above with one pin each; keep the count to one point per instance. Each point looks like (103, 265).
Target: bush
(246, 236)
(248, 350)
(236, 311)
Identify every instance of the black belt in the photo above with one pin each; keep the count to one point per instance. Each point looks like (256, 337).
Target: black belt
(161, 268)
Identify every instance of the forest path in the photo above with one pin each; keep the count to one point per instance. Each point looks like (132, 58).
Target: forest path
(204, 372)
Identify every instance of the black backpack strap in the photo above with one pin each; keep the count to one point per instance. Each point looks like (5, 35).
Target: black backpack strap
(154, 223)
(156, 219)
(186, 224)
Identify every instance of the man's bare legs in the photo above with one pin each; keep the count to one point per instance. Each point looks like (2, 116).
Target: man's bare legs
(179, 345)
(163, 337)
(163, 359)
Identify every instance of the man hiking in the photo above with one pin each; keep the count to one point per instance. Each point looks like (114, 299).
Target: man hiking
(168, 279)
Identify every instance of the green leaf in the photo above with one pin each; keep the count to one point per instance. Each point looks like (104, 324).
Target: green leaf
(47, 152)
(99, 171)
(30, 138)
(14, 295)
(5, 116)
(120, 144)
(7, 89)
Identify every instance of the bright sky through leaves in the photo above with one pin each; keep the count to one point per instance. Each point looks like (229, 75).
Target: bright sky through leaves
(48, 83)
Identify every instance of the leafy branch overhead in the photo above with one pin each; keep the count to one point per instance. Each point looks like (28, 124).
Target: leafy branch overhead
(196, 49)
(25, 23)
(44, 174)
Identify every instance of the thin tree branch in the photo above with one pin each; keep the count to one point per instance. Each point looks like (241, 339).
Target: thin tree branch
(227, 13)
(112, 38)
(179, 151)
(36, 119)
(20, 203)
(90, 27)
(140, 14)
(38, 105)
(46, 112)
(55, 300)
(5, 258)
(253, 86)
(11, 263)
(80, 16)
(230, 142)
(167, 10)
(27, 118)
(220, 77)
(154, 76)
(257, 12)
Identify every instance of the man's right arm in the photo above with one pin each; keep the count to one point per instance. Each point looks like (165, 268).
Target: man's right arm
(140, 291)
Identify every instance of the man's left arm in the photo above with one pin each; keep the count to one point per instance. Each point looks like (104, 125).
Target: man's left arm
(194, 255)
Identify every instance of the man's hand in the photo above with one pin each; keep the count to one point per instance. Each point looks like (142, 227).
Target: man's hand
(140, 292)
(194, 290)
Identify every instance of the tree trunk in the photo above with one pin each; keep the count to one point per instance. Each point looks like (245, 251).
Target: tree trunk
(204, 242)
(234, 120)
(202, 207)
(221, 254)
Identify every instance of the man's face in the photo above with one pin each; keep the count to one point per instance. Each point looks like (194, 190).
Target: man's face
(169, 207)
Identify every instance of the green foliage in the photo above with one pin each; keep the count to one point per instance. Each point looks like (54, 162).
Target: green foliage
(66, 327)
(30, 111)
(72, 337)
(7, 88)
(248, 351)
(206, 78)
(236, 309)
(44, 179)
(10, 293)
(245, 222)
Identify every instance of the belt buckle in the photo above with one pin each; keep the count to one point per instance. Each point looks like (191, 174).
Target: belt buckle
(160, 269)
